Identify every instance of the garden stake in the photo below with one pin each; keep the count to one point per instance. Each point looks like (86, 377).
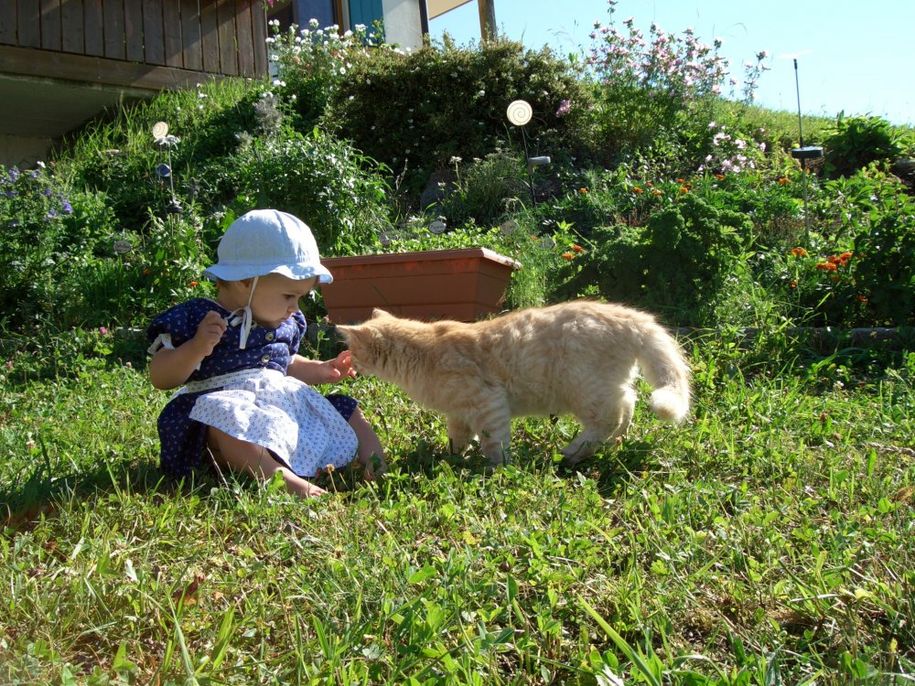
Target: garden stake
(803, 153)
(800, 137)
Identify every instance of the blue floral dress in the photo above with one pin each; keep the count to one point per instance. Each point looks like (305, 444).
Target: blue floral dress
(247, 394)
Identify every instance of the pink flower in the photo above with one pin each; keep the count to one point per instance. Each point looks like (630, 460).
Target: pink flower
(103, 330)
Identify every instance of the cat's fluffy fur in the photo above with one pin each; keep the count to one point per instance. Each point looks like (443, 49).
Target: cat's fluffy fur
(577, 358)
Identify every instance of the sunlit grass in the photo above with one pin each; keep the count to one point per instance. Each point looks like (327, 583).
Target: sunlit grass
(772, 535)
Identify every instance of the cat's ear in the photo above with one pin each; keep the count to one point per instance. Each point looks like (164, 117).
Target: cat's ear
(347, 331)
(377, 312)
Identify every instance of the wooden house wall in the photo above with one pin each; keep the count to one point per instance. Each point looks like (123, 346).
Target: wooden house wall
(224, 37)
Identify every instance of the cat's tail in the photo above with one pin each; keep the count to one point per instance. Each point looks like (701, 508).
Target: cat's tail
(665, 368)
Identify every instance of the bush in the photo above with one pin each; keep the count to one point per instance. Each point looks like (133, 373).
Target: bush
(485, 190)
(49, 230)
(440, 104)
(855, 142)
(884, 268)
(337, 191)
(676, 264)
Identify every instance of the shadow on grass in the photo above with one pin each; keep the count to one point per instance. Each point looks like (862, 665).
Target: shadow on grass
(613, 466)
(65, 355)
(24, 502)
(38, 493)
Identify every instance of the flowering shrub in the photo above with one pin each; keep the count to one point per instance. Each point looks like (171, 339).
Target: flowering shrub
(648, 83)
(312, 62)
(731, 153)
(48, 230)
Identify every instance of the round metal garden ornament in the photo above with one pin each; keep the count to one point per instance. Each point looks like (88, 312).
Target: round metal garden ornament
(159, 130)
(519, 112)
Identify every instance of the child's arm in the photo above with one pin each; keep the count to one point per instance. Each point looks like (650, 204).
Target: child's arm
(171, 368)
(315, 372)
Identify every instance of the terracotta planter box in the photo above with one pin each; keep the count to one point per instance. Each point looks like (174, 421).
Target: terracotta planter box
(463, 284)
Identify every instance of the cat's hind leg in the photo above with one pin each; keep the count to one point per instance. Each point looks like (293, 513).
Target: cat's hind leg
(600, 422)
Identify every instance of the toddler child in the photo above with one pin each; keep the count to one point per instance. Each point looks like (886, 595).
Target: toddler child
(245, 392)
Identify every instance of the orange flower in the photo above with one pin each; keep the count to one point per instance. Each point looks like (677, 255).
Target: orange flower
(568, 256)
(782, 181)
(826, 267)
(193, 284)
(798, 252)
(684, 188)
(681, 181)
(637, 190)
(793, 284)
(577, 248)
(720, 177)
(583, 191)
(861, 298)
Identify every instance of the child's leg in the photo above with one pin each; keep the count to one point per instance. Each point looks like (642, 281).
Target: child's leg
(241, 456)
(370, 453)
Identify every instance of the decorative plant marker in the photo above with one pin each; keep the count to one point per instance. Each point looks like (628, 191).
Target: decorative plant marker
(159, 130)
(519, 112)
(164, 170)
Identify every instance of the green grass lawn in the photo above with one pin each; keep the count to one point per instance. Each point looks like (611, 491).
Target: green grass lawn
(770, 540)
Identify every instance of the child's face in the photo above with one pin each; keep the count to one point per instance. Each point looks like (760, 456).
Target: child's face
(276, 297)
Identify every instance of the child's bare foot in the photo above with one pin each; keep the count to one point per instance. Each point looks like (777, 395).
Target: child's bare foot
(299, 486)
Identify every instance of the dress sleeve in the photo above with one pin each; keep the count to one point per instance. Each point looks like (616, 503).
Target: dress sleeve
(301, 326)
(175, 326)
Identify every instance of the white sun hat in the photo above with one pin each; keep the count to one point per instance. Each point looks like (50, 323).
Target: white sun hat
(263, 242)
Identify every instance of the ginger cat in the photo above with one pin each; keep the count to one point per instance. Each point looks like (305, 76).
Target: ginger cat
(577, 358)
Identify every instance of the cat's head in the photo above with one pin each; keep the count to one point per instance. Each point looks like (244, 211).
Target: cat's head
(366, 341)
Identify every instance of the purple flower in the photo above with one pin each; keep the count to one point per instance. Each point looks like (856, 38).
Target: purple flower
(565, 106)
(66, 207)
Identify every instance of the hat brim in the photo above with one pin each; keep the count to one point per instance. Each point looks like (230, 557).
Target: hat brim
(237, 272)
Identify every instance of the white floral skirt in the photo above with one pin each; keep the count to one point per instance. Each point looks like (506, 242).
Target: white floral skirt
(284, 415)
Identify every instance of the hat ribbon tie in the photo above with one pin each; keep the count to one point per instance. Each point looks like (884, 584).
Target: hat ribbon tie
(246, 319)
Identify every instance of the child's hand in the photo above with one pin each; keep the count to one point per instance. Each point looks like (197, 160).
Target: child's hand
(209, 332)
(340, 367)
